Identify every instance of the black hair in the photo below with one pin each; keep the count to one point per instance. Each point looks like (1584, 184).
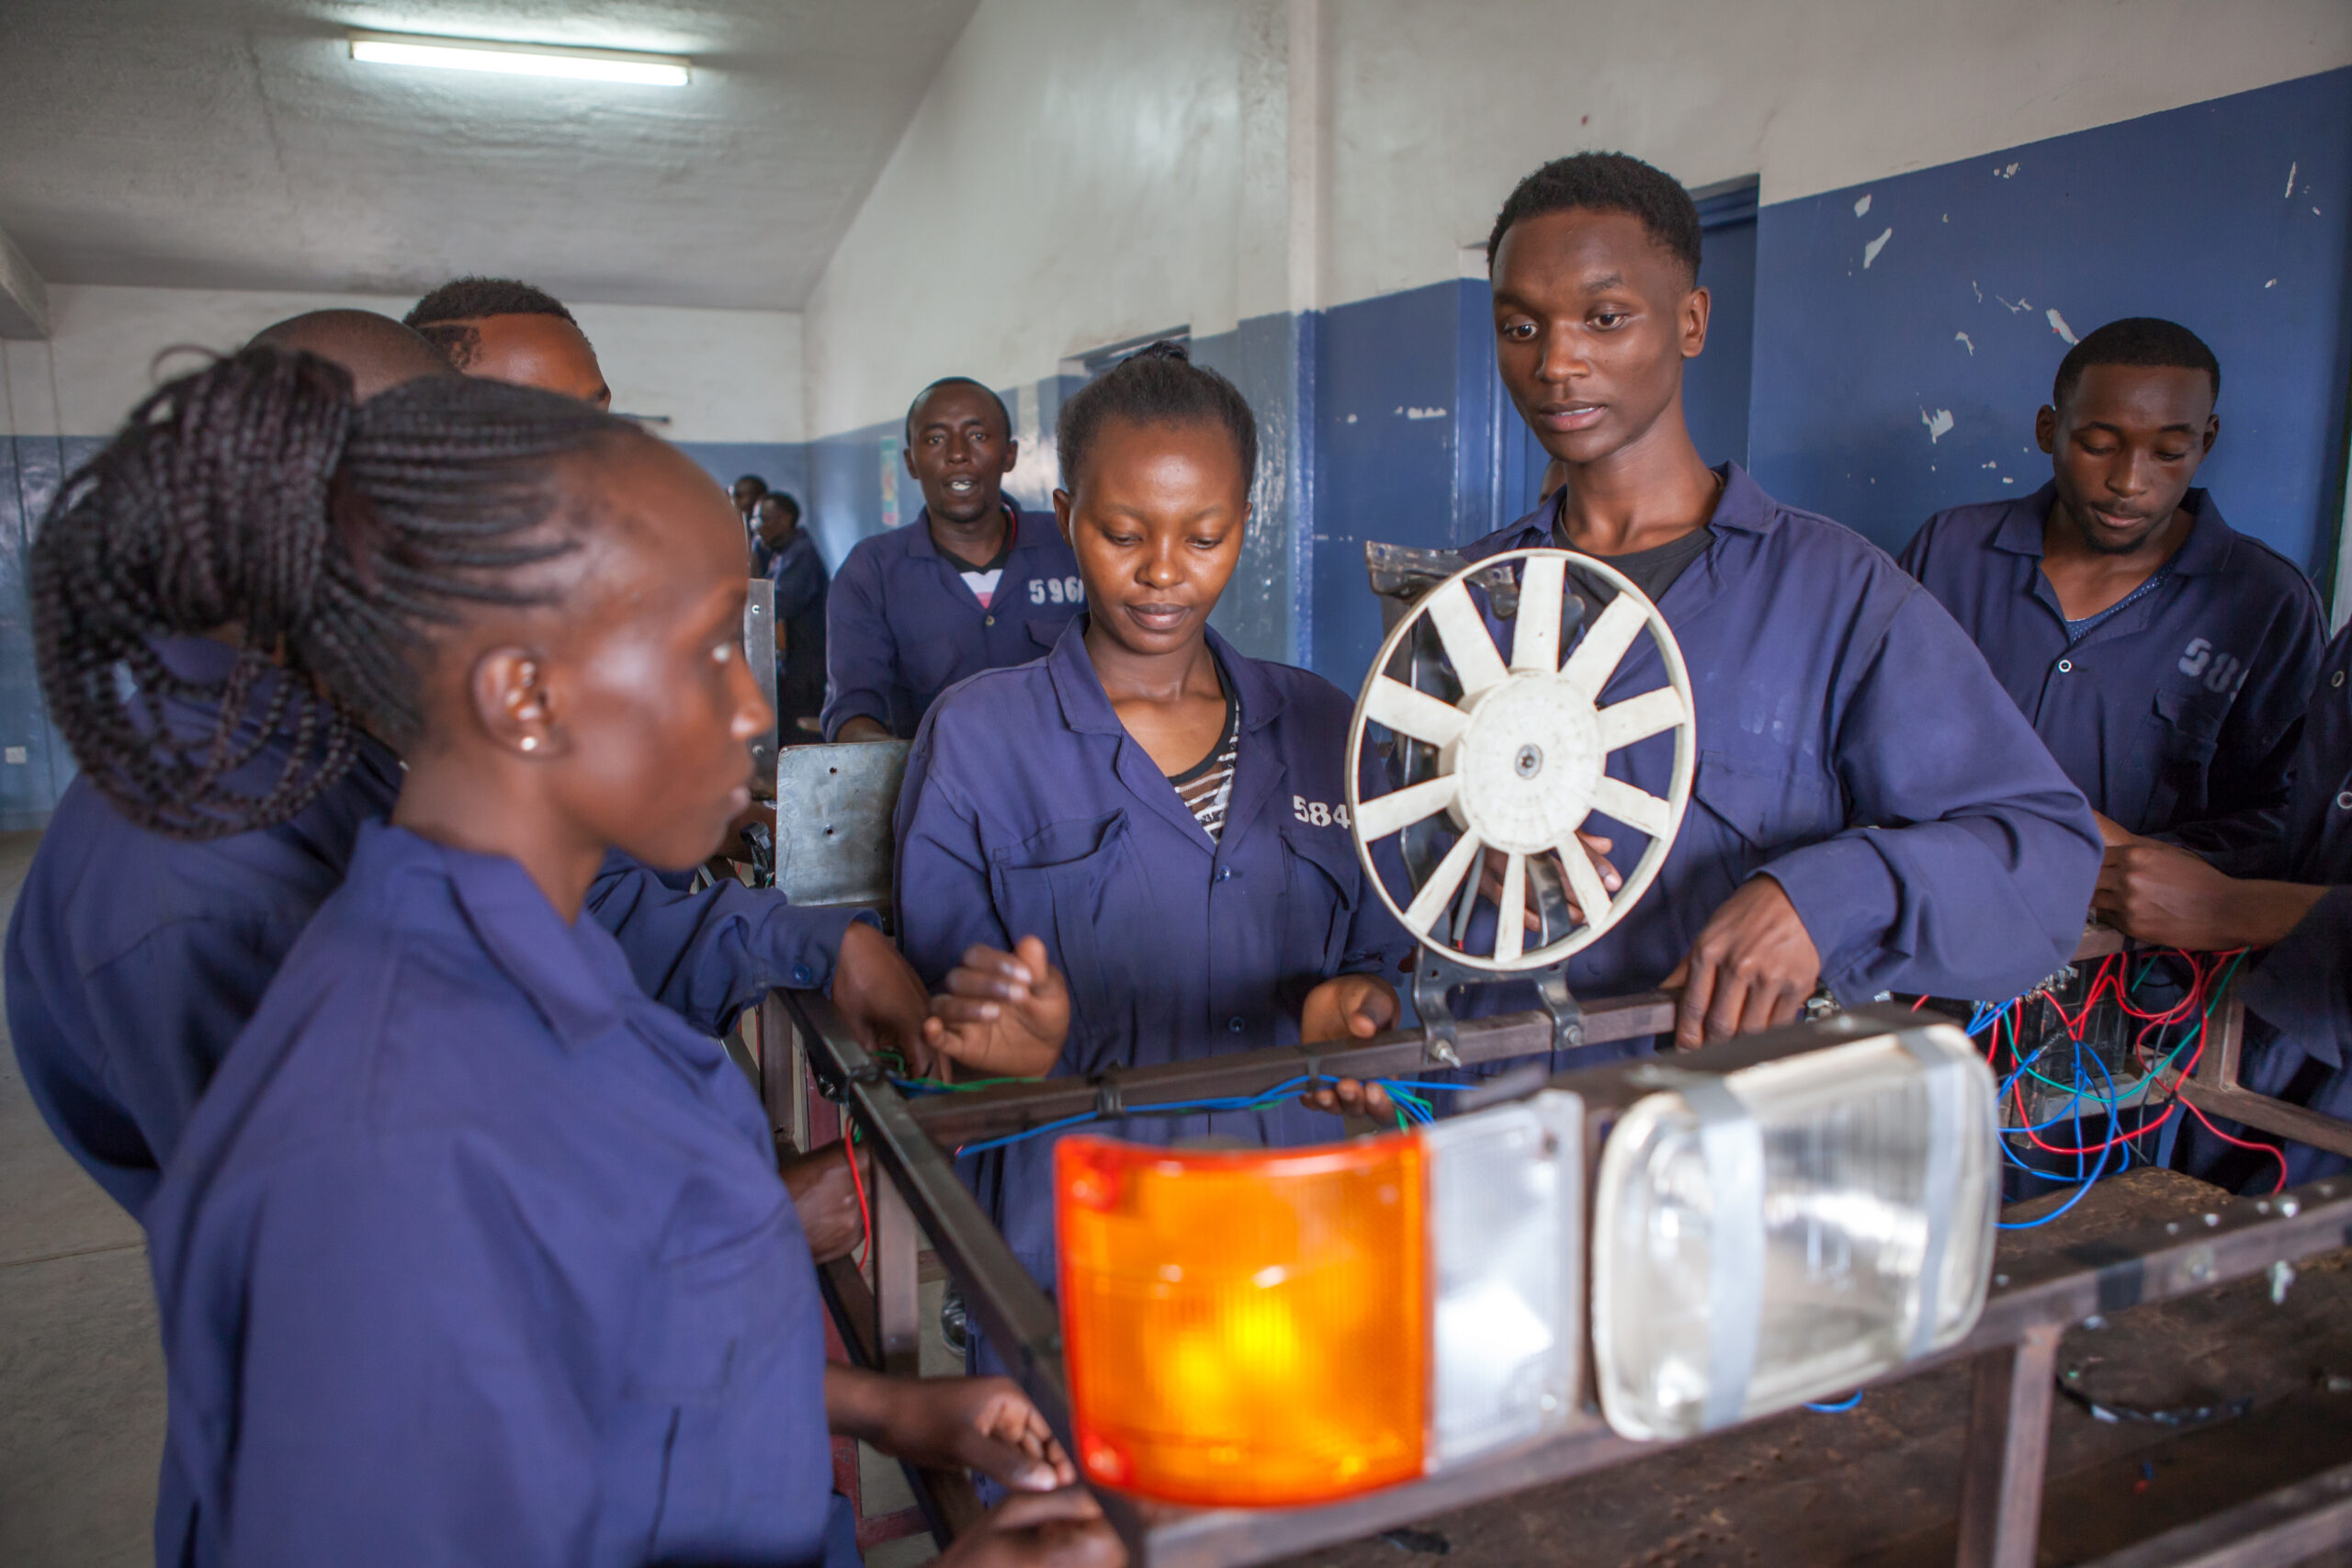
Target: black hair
(2135, 340)
(1607, 182)
(1156, 385)
(785, 496)
(444, 314)
(1004, 416)
(751, 479)
(255, 497)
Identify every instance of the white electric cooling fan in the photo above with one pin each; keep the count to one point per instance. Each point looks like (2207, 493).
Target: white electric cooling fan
(1520, 758)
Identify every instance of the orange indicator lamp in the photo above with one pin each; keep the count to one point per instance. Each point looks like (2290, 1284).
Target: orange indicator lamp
(1245, 1328)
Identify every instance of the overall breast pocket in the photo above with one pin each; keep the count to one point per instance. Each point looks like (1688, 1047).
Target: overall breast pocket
(1053, 885)
(1756, 810)
(2181, 736)
(713, 1322)
(1322, 885)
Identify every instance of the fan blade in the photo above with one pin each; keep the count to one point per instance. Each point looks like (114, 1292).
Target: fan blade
(1635, 808)
(1511, 910)
(1638, 718)
(1462, 634)
(1414, 713)
(1596, 658)
(1430, 905)
(1584, 881)
(1535, 646)
(1377, 818)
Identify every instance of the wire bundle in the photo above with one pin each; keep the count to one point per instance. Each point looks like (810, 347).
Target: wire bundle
(2151, 1047)
(1406, 1095)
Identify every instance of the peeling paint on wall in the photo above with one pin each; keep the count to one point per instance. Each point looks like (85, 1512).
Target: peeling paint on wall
(1964, 337)
(1863, 206)
(1870, 251)
(2058, 324)
(1939, 423)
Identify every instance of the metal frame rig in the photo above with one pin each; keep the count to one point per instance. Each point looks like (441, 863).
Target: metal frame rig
(2012, 1350)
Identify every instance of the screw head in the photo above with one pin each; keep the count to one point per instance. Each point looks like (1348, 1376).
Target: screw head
(1530, 762)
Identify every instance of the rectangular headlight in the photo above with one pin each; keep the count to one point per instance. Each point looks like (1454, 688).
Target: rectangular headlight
(1275, 1328)
(1785, 1231)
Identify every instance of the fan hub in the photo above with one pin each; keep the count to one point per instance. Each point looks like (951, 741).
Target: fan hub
(1527, 761)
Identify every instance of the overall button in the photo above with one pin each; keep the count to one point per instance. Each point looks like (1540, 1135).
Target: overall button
(2336, 679)
(2065, 666)
(1235, 1024)
(801, 974)
(989, 621)
(2344, 801)
(1224, 873)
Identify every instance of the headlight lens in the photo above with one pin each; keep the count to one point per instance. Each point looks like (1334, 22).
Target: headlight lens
(1790, 1230)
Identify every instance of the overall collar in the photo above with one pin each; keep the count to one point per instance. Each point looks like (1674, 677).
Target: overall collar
(1029, 530)
(573, 974)
(2204, 552)
(1086, 709)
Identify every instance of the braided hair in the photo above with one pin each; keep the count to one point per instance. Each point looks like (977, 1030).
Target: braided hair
(254, 499)
(1155, 385)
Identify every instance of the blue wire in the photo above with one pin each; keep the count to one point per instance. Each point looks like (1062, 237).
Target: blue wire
(1258, 1101)
(1839, 1407)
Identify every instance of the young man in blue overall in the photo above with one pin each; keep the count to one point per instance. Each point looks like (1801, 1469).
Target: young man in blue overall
(2164, 656)
(973, 583)
(2289, 902)
(1870, 812)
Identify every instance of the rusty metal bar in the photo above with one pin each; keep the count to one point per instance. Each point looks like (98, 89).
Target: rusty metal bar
(947, 1497)
(2008, 1447)
(2290, 1525)
(897, 1283)
(1010, 1108)
(2215, 1089)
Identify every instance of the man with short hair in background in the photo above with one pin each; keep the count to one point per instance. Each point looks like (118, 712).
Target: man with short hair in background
(971, 584)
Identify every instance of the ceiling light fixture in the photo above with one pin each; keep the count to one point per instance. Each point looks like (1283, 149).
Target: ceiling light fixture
(523, 59)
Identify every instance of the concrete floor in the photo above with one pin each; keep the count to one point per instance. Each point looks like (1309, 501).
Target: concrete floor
(80, 1374)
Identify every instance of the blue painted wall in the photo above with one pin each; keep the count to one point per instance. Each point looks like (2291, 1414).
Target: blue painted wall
(2186, 214)
(35, 766)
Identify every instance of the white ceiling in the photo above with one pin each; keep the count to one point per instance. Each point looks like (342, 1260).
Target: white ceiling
(235, 144)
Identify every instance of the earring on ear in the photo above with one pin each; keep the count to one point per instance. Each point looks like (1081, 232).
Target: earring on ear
(531, 743)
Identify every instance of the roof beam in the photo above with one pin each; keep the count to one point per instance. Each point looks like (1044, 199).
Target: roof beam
(24, 299)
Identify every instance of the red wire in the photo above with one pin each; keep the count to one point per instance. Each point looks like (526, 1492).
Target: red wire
(2270, 1149)
(1917, 1005)
(865, 1215)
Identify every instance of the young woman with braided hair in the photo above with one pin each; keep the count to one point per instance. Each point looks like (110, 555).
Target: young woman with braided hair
(218, 807)
(470, 1251)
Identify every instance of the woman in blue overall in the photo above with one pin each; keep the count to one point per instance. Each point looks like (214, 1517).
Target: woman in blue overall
(473, 1252)
(1158, 818)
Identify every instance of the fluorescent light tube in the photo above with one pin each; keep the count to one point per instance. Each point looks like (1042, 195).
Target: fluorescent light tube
(522, 59)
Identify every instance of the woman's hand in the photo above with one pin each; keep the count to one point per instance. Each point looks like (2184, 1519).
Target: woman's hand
(1003, 1014)
(826, 1199)
(881, 998)
(1351, 1007)
(983, 1424)
(1348, 1007)
(1039, 1530)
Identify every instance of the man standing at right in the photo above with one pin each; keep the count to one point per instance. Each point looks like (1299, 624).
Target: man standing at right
(2164, 657)
(970, 584)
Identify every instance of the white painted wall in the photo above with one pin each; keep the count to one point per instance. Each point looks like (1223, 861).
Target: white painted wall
(719, 375)
(1083, 171)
